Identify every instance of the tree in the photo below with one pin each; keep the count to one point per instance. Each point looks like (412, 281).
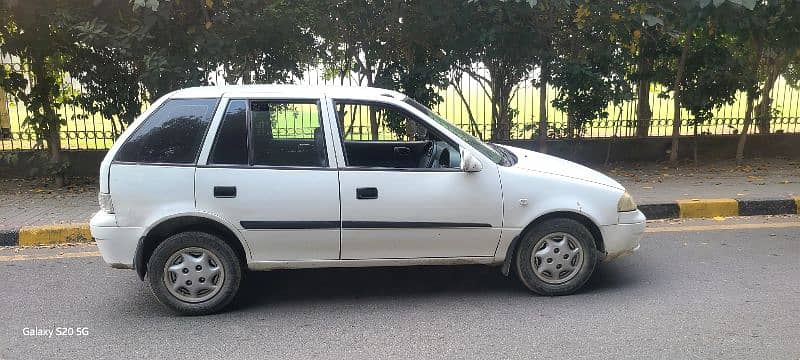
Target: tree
(772, 48)
(393, 44)
(37, 34)
(591, 68)
(502, 37)
(684, 17)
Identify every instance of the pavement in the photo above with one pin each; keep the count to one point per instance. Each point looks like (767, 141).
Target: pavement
(652, 183)
(761, 186)
(696, 289)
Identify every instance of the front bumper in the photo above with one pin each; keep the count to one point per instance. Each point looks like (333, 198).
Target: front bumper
(623, 238)
(117, 244)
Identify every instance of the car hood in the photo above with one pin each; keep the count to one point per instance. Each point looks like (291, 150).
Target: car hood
(542, 163)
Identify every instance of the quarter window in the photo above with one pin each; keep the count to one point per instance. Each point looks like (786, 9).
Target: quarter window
(172, 134)
(230, 147)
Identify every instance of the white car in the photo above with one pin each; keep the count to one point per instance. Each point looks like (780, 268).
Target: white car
(211, 181)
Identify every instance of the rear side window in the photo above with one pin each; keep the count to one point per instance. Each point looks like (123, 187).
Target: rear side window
(172, 134)
(287, 133)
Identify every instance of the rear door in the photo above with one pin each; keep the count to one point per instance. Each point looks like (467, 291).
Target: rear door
(268, 172)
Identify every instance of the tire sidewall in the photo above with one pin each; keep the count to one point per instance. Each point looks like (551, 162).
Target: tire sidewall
(525, 251)
(212, 243)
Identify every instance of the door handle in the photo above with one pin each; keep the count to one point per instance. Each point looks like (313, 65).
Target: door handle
(367, 193)
(402, 150)
(224, 191)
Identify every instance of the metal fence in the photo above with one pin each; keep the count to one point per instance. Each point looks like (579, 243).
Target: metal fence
(95, 132)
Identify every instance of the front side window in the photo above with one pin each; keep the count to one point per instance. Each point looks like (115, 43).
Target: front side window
(381, 135)
(171, 135)
(479, 145)
(287, 133)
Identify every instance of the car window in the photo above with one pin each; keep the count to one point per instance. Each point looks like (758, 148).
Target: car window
(382, 135)
(479, 145)
(287, 133)
(230, 146)
(172, 134)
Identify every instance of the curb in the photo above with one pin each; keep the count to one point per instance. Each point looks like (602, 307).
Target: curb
(708, 208)
(692, 208)
(46, 235)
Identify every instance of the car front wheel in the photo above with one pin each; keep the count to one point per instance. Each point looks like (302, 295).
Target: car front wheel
(556, 257)
(194, 273)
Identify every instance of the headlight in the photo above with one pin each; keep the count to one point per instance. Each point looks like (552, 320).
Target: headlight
(626, 203)
(105, 202)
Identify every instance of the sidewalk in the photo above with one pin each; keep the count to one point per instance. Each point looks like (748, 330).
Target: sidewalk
(33, 202)
(758, 179)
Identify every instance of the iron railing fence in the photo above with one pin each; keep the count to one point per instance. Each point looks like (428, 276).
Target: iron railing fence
(92, 131)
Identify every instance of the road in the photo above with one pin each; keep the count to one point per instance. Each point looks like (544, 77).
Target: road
(690, 292)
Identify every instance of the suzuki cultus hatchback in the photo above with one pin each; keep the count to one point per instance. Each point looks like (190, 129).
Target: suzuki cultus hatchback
(213, 181)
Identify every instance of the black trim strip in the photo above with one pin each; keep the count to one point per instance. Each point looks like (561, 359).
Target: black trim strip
(297, 225)
(272, 225)
(265, 167)
(408, 225)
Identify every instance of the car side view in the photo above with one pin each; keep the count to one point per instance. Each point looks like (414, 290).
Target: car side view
(210, 182)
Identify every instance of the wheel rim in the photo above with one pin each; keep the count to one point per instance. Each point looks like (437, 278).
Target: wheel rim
(557, 258)
(193, 274)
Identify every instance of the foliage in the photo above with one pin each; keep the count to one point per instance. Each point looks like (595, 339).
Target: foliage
(713, 75)
(592, 63)
(503, 36)
(126, 53)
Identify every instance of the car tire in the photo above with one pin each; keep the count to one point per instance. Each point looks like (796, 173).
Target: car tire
(194, 273)
(556, 257)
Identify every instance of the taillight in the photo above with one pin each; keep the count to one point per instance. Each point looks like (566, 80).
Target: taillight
(105, 202)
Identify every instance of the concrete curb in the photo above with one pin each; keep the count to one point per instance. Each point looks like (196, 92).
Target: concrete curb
(691, 208)
(46, 235)
(708, 208)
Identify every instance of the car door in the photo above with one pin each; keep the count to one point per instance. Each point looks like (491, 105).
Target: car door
(268, 173)
(394, 207)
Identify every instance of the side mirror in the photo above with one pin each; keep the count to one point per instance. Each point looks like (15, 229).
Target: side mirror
(469, 163)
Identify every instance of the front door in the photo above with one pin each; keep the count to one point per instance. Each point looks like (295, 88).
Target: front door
(403, 194)
(269, 175)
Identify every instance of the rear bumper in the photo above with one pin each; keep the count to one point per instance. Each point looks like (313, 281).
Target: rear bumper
(117, 244)
(623, 238)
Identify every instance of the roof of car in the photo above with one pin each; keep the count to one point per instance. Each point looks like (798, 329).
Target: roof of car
(315, 91)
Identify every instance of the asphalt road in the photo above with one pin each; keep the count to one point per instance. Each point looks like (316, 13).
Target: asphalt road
(687, 294)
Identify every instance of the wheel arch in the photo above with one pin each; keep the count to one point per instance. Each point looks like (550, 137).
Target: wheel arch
(561, 214)
(167, 227)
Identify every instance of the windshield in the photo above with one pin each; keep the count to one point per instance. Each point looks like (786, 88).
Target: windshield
(490, 152)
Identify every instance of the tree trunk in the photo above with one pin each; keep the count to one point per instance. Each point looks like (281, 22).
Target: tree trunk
(643, 111)
(44, 86)
(751, 98)
(545, 78)
(762, 111)
(748, 119)
(473, 124)
(676, 94)
(373, 115)
(5, 118)
(502, 127)
(55, 158)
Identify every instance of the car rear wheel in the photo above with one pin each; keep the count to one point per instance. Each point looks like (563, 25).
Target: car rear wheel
(556, 257)
(194, 273)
